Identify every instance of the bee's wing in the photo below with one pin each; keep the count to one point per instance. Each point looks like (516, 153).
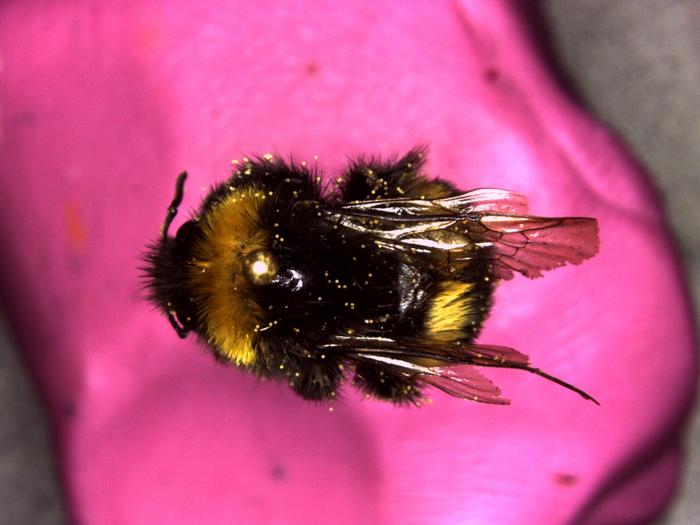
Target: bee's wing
(487, 200)
(490, 224)
(463, 381)
(447, 365)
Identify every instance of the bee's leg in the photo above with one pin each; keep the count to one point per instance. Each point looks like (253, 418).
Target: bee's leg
(313, 378)
(182, 331)
(386, 385)
(368, 179)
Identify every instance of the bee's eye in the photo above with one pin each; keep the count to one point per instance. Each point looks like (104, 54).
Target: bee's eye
(185, 237)
(261, 267)
(185, 230)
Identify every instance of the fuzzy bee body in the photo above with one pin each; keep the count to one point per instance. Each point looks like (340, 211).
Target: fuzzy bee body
(386, 282)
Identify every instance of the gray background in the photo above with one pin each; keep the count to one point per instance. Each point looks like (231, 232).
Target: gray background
(635, 63)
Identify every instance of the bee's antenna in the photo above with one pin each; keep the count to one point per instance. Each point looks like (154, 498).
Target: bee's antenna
(177, 199)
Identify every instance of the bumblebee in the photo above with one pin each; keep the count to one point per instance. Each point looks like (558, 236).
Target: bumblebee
(384, 281)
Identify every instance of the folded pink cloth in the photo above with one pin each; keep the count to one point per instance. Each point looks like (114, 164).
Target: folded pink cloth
(104, 103)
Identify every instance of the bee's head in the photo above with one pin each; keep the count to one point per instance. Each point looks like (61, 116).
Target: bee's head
(166, 267)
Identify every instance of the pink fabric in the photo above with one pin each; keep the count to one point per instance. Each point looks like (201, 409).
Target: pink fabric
(103, 103)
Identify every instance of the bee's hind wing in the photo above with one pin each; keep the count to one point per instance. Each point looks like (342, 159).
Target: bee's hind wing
(462, 381)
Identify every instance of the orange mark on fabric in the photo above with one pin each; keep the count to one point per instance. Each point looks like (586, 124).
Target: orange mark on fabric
(75, 227)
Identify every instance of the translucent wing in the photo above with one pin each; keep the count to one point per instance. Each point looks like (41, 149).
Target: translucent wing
(488, 200)
(447, 365)
(530, 245)
(485, 223)
(464, 381)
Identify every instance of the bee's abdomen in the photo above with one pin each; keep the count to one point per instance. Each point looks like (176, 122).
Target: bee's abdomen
(457, 308)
